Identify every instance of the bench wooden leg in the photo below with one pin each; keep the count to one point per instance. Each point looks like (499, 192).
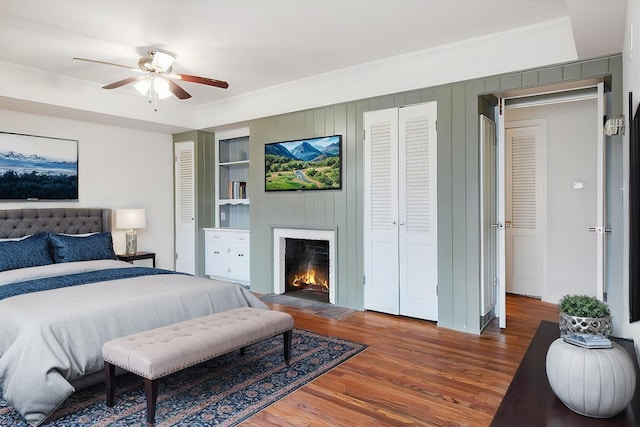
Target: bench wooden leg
(287, 346)
(151, 391)
(110, 381)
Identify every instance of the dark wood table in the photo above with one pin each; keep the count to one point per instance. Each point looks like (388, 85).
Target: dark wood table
(138, 256)
(530, 401)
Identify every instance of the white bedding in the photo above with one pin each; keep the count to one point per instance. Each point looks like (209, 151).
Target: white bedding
(50, 338)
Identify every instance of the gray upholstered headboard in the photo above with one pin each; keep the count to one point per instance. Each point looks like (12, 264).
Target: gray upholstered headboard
(23, 222)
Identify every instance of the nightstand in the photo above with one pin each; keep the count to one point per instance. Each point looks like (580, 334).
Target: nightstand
(138, 256)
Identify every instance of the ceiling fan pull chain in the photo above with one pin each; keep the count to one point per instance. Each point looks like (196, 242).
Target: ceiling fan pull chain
(155, 94)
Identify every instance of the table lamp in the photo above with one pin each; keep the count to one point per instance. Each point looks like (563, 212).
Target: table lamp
(131, 219)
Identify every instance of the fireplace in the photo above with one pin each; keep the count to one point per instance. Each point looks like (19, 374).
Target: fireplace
(306, 268)
(304, 263)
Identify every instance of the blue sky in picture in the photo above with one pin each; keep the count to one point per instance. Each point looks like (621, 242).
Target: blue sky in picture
(24, 154)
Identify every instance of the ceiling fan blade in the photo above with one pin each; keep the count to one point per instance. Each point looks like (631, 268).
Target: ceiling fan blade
(108, 63)
(177, 90)
(123, 82)
(202, 80)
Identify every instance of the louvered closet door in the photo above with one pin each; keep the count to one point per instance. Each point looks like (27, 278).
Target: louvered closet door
(381, 211)
(185, 207)
(400, 211)
(418, 211)
(524, 210)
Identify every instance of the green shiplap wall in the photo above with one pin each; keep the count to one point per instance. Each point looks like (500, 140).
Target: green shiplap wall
(204, 164)
(458, 184)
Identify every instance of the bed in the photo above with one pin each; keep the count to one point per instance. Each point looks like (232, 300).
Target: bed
(77, 296)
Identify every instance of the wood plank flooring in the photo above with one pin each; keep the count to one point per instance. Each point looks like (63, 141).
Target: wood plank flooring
(412, 373)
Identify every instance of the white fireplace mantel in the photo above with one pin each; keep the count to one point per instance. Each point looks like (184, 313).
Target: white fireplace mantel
(279, 236)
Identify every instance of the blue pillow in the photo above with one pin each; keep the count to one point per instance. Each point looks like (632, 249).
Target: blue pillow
(69, 248)
(30, 252)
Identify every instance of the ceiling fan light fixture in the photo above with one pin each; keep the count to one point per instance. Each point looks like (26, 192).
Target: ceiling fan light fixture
(161, 87)
(143, 86)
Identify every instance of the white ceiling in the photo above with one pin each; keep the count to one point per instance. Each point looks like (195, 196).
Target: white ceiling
(255, 44)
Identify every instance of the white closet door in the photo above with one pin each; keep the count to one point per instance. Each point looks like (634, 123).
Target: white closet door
(400, 207)
(185, 208)
(417, 205)
(525, 210)
(381, 291)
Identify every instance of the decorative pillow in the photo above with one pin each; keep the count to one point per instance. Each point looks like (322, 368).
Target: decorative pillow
(70, 248)
(29, 252)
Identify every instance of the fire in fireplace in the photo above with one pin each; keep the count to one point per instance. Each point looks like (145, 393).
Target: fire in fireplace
(307, 268)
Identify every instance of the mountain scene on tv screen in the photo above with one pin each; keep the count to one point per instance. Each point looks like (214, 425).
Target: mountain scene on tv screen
(303, 165)
(30, 176)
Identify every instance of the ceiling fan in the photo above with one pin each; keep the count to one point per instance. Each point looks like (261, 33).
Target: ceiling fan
(158, 76)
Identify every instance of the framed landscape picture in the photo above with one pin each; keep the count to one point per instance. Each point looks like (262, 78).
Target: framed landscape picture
(38, 168)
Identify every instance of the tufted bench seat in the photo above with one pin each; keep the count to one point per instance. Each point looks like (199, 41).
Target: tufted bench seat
(156, 353)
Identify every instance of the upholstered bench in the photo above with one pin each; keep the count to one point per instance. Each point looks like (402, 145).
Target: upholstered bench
(156, 353)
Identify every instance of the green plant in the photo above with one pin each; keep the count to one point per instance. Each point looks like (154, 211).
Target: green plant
(583, 306)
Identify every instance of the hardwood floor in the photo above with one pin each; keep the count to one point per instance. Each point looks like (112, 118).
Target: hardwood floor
(412, 373)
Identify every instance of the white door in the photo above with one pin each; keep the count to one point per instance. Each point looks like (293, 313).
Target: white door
(400, 230)
(600, 227)
(418, 226)
(501, 308)
(488, 216)
(185, 207)
(525, 215)
(381, 291)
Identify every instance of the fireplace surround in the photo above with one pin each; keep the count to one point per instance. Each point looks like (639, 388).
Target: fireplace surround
(280, 235)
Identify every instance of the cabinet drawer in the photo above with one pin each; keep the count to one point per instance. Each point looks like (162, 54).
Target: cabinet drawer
(239, 238)
(212, 236)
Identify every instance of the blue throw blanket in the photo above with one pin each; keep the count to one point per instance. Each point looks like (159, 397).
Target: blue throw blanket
(47, 283)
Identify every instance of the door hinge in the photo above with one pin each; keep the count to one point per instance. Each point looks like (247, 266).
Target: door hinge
(436, 290)
(364, 279)
(176, 255)
(364, 134)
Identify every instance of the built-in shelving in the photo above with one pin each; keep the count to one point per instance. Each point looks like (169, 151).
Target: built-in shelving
(232, 179)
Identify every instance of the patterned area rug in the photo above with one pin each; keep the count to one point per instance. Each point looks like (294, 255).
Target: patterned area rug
(221, 392)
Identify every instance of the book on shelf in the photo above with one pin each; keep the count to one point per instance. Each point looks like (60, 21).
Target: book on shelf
(237, 190)
(588, 340)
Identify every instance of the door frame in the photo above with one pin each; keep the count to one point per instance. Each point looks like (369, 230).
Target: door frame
(562, 95)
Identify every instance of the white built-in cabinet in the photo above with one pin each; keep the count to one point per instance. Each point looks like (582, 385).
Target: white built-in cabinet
(227, 254)
(400, 207)
(227, 246)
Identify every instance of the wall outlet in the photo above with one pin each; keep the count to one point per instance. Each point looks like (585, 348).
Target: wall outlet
(222, 216)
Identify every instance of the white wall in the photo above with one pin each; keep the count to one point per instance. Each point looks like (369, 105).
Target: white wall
(631, 83)
(118, 168)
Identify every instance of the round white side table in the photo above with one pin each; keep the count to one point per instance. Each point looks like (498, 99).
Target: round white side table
(597, 383)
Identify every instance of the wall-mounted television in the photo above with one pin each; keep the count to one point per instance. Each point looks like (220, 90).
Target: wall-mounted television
(304, 164)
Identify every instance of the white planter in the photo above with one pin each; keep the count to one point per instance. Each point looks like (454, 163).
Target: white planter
(597, 383)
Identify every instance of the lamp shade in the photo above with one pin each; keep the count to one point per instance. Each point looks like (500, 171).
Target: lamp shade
(130, 218)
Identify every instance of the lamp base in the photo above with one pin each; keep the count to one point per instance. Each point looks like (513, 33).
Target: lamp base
(131, 242)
